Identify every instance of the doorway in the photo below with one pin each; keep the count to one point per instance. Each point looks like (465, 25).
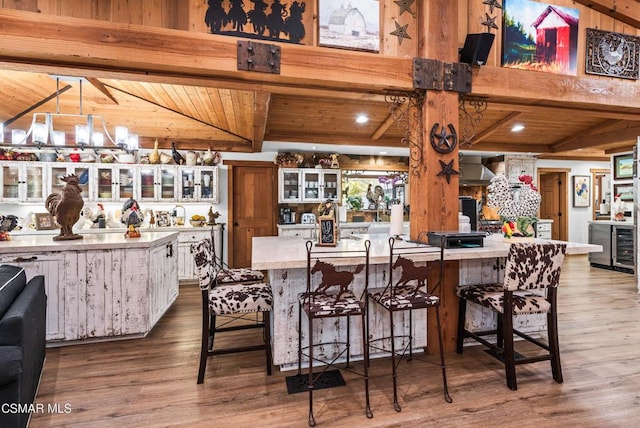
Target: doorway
(252, 193)
(552, 183)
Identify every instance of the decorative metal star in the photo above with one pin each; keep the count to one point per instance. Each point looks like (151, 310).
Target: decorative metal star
(405, 6)
(490, 22)
(492, 4)
(447, 170)
(400, 32)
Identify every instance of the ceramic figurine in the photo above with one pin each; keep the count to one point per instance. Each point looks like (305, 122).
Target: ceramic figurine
(177, 157)
(66, 207)
(154, 156)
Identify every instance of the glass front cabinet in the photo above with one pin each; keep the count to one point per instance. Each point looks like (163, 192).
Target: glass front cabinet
(84, 173)
(308, 185)
(23, 182)
(115, 182)
(198, 183)
(156, 183)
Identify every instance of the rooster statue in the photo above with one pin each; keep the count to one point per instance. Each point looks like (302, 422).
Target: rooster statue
(7, 224)
(66, 207)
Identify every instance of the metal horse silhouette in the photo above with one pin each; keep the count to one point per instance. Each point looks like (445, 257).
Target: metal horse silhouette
(278, 24)
(411, 272)
(334, 278)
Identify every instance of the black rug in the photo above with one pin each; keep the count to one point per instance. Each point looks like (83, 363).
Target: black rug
(328, 379)
(500, 356)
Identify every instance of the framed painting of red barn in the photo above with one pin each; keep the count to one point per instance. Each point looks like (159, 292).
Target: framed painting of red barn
(540, 36)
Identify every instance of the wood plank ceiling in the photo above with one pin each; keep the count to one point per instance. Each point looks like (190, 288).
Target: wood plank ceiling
(240, 117)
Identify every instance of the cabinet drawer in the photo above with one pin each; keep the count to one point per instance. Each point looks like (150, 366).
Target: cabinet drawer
(193, 236)
(544, 227)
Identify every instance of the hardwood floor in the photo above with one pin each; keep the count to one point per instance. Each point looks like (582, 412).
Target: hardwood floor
(152, 381)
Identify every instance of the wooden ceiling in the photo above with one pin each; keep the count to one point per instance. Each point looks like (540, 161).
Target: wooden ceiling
(199, 99)
(225, 119)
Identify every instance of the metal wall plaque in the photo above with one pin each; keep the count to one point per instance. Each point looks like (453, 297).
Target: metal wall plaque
(612, 54)
(261, 57)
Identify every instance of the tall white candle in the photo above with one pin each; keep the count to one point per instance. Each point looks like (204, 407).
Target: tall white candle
(396, 220)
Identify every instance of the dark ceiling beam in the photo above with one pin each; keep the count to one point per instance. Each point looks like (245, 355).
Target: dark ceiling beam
(36, 105)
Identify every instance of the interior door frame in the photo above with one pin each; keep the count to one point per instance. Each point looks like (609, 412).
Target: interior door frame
(595, 173)
(564, 195)
(230, 199)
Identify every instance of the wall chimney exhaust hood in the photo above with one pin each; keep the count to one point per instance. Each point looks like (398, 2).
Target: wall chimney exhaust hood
(474, 173)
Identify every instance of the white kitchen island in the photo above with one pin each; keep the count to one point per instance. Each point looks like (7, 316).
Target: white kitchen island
(104, 286)
(285, 260)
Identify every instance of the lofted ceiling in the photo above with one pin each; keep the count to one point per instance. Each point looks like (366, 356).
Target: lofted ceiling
(238, 120)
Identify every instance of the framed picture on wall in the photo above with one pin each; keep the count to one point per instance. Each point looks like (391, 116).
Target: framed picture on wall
(581, 191)
(623, 166)
(624, 190)
(350, 25)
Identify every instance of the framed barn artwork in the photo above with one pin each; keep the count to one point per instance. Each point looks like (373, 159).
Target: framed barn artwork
(350, 25)
(539, 36)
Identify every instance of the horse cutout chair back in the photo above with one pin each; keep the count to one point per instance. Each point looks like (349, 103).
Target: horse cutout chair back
(331, 277)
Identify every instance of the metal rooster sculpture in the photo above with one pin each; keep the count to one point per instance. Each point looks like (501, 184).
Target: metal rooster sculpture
(66, 207)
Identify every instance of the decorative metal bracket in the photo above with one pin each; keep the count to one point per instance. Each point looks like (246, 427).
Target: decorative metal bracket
(470, 117)
(406, 110)
(433, 74)
(260, 57)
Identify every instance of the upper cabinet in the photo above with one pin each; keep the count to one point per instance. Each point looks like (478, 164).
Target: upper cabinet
(198, 184)
(308, 184)
(22, 181)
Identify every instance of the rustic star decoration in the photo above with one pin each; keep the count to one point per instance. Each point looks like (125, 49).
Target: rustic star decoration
(489, 22)
(443, 142)
(447, 170)
(400, 32)
(405, 6)
(492, 4)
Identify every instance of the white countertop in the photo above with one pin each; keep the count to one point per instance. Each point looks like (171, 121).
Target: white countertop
(290, 252)
(613, 222)
(118, 230)
(97, 241)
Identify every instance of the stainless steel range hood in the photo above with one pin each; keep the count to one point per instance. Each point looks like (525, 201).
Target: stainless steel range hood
(474, 174)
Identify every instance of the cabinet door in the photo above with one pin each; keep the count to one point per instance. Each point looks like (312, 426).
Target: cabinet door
(207, 184)
(289, 185)
(311, 181)
(58, 170)
(10, 182)
(147, 183)
(125, 177)
(51, 265)
(106, 182)
(187, 184)
(168, 183)
(32, 182)
(330, 187)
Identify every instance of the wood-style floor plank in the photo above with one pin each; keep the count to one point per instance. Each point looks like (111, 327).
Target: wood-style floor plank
(152, 381)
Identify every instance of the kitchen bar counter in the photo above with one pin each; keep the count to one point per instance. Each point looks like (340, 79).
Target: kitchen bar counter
(101, 287)
(285, 260)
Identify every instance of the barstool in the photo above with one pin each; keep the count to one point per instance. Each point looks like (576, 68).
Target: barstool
(333, 297)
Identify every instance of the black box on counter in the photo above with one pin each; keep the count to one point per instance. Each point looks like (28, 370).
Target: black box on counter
(457, 239)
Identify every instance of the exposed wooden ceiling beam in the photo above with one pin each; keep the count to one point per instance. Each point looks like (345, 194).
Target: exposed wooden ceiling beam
(627, 11)
(383, 127)
(609, 113)
(577, 141)
(100, 86)
(260, 115)
(495, 127)
(630, 132)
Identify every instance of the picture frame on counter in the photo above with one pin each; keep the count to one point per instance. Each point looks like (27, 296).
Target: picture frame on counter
(44, 221)
(327, 235)
(624, 190)
(163, 219)
(581, 191)
(623, 166)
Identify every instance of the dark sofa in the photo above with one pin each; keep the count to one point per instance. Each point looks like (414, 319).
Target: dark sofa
(23, 308)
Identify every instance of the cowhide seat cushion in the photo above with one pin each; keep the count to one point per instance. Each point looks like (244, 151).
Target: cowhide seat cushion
(320, 304)
(404, 297)
(232, 299)
(226, 276)
(492, 296)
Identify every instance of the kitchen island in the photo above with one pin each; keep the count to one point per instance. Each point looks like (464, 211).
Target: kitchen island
(285, 260)
(104, 286)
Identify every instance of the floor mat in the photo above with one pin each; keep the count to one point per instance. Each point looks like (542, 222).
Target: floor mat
(329, 379)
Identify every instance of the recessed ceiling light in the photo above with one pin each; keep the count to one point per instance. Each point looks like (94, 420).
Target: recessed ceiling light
(517, 127)
(362, 118)
(383, 153)
(313, 147)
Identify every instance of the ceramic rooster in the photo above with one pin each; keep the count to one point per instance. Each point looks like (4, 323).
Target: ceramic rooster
(7, 224)
(66, 207)
(177, 157)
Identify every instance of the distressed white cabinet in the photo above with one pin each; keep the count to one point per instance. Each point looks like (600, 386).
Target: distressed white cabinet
(308, 184)
(22, 181)
(102, 286)
(115, 182)
(198, 183)
(156, 183)
(186, 265)
(85, 172)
